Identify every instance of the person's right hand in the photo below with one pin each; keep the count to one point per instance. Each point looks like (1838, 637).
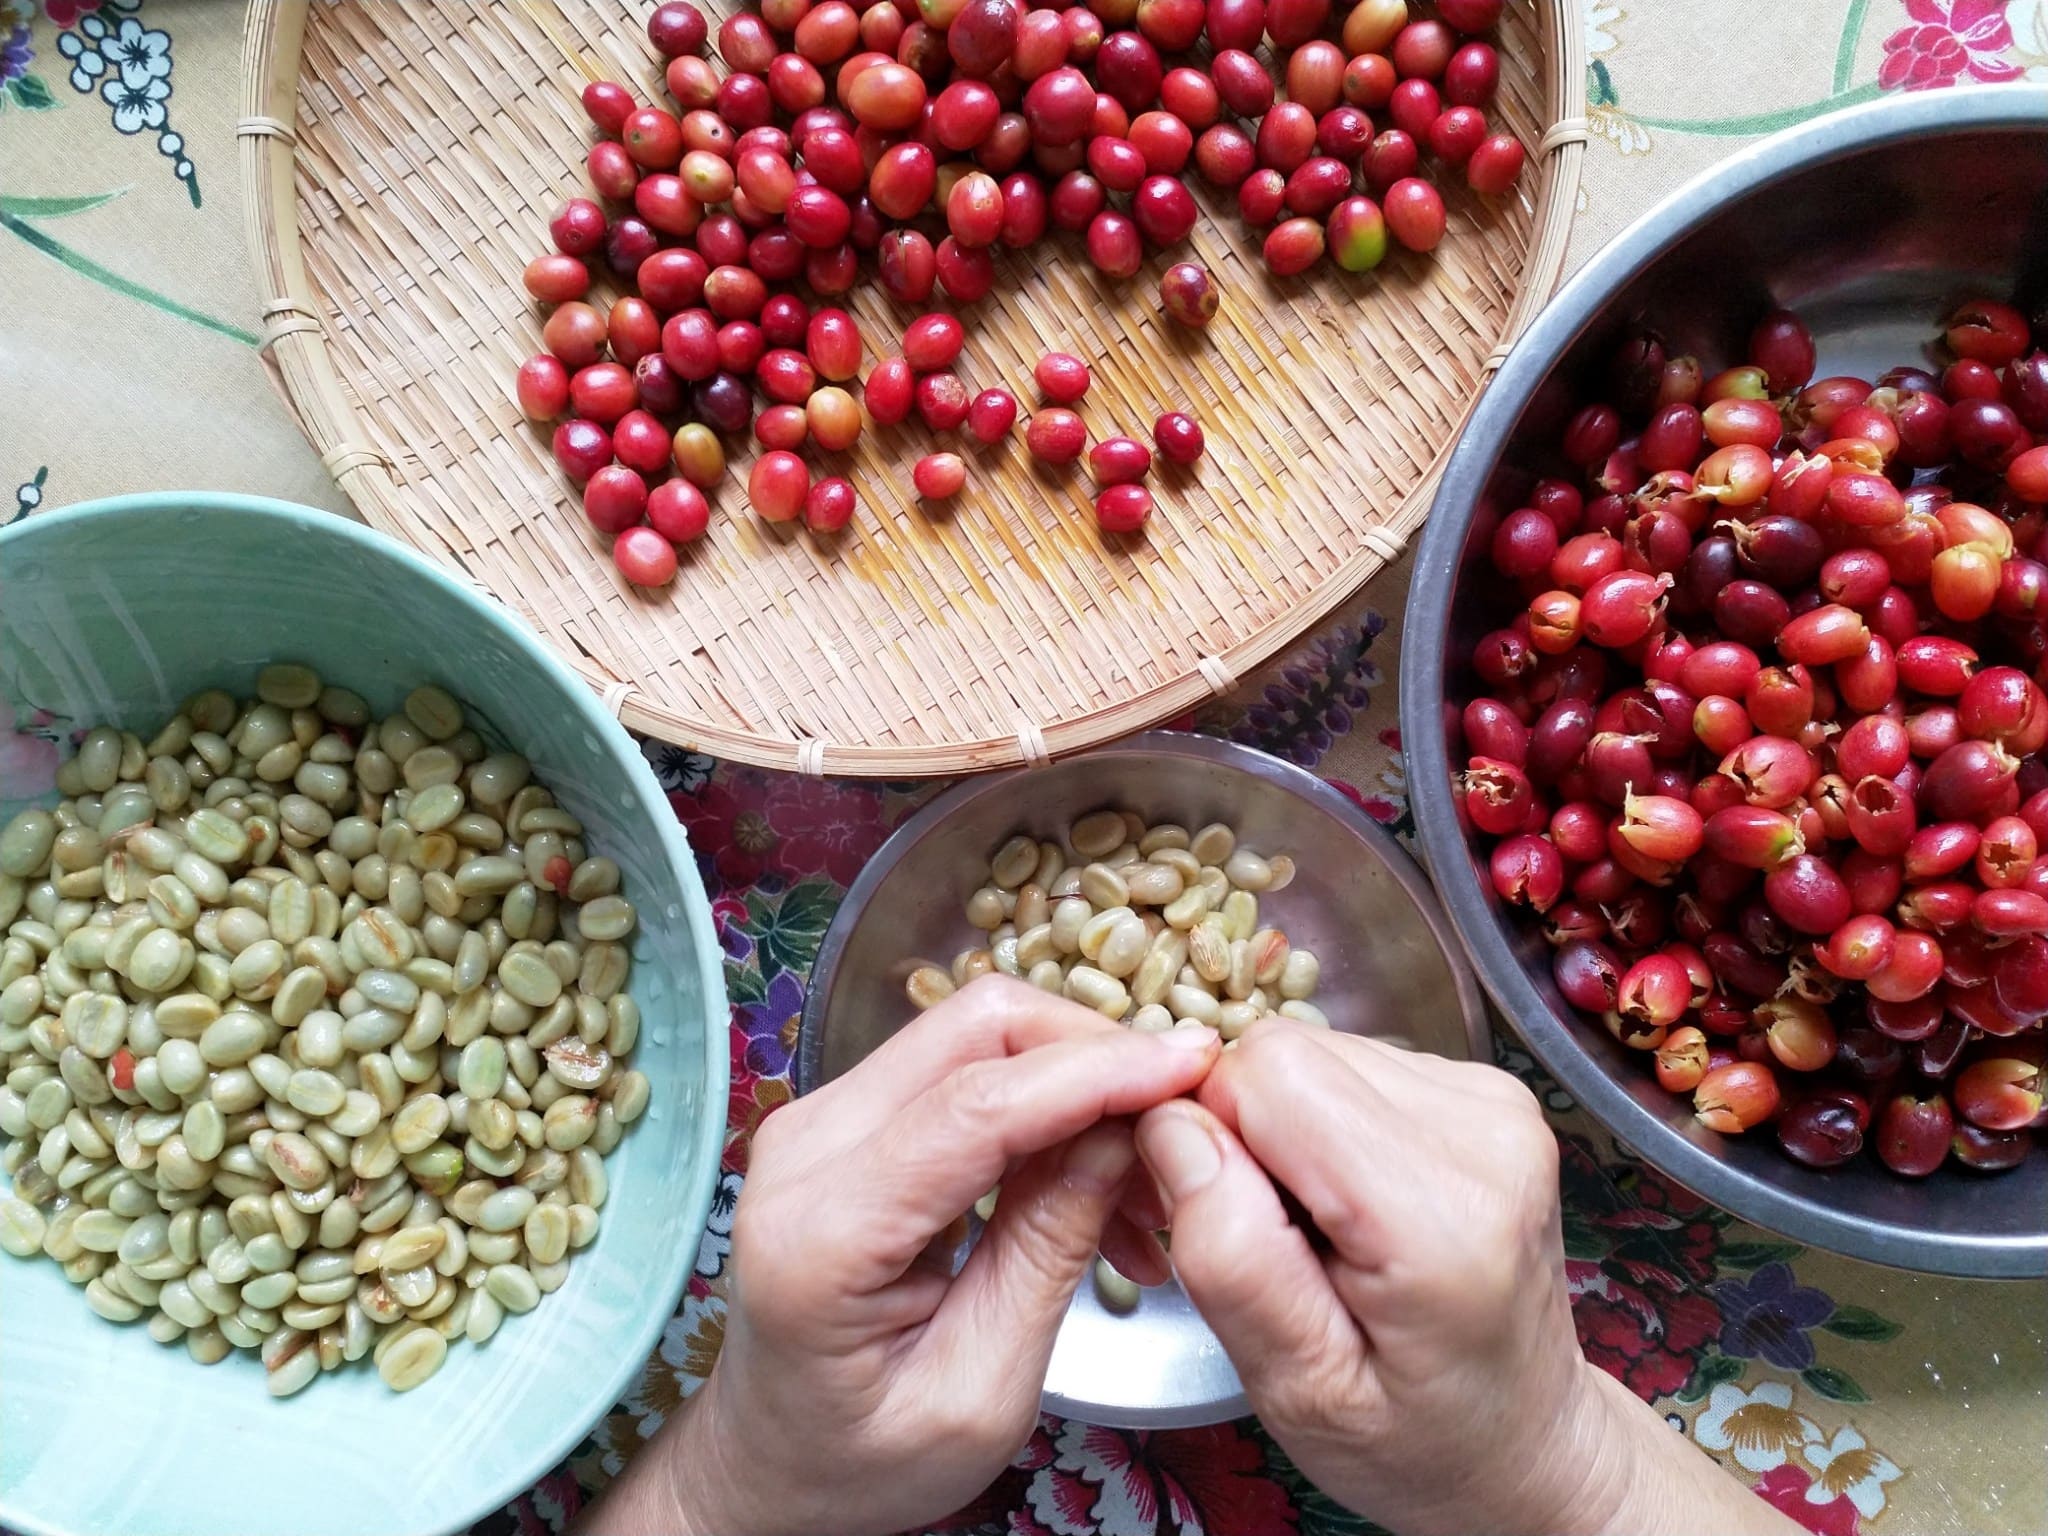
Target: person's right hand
(1425, 1370)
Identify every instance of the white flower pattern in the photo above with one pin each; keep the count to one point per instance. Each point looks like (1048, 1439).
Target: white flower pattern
(1760, 1427)
(1623, 132)
(1850, 1469)
(1125, 1505)
(129, 64)
(678, 769)
(86, 64)
(140, 54)
(1604, 117)
(670, 1377)
(2029, 22)
(1600, 20)
(716, 1247)
(137, 107)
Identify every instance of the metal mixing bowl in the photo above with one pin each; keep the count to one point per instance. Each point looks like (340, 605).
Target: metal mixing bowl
(1871, 224)
(1391, 969)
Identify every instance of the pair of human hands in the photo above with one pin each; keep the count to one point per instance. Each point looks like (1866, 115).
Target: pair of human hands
(1415, 1356)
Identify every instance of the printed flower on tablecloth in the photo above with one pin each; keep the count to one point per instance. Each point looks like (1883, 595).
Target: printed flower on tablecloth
(1603, 103)
(1645, 1337)
(16, 55)
(729, 832)
(1091, 1481)
(1949, 39)
(689, 1347)
(137, 105)
(556, 1500)
(86, 63)
(716, 1246)
(65, 13)
(677, 769)
(1767, 1317)
(1850, 1468)
(1639, 1253)
(1618, 128)
(728, 921)
(1792, 1490)
(827, 827)
(602, 1455)
(1759, 1426)
(770, 1026)
(17, 52)
(1319, 695)
(751, 1100)
(1601, 18)
(1373, 806)
(745, 824)
(140, 53)
(129, 64)
(2029, 22)
(546, 1507)
(1388, 803)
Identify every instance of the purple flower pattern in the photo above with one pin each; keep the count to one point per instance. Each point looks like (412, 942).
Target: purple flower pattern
(1318, 697)
(1767, 1316)
(16, 54)
(771, 1024)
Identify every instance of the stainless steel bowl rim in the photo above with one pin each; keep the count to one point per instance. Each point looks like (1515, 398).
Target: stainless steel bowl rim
(1263, 765)
(1578, 305)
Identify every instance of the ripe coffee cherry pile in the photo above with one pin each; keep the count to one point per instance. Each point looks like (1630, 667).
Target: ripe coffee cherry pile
(1765, 749)
(922, 134)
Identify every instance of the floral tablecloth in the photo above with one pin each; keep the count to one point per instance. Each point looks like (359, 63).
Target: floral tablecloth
(1855, 1398)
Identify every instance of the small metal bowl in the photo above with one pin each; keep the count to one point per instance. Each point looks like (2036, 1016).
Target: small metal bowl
(1390, 969)
(1870, 223)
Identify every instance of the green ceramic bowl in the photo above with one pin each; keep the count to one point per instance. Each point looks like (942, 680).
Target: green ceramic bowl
(114, 612)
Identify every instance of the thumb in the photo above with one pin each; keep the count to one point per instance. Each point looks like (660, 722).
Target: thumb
(1248, 1269)
(1007, 1303)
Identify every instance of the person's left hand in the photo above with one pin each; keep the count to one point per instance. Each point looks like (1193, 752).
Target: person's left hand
(861, 1386)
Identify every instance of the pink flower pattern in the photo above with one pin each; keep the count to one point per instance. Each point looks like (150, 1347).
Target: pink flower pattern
(1948, 40)
(1789, 1488)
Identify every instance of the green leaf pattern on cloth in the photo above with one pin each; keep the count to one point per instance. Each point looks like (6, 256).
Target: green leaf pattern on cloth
(1839, 1386)
(1861, 1324)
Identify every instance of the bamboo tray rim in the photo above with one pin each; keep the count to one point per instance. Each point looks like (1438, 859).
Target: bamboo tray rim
(296, 353)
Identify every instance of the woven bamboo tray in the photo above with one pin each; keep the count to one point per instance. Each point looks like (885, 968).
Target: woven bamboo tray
(402, 161)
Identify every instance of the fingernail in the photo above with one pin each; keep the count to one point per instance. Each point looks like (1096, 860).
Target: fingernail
(1099, 1159)
(1181, 1153)
(1189, 1037)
